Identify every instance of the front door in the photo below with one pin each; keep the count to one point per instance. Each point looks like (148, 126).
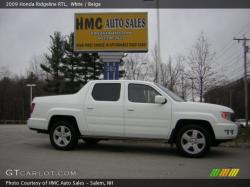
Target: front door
(143, 117)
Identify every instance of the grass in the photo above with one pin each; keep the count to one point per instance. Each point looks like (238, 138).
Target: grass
(244, 135)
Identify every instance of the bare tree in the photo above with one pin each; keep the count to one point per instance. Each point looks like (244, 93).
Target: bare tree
(156, 64)
(170, 73)
(164, 74)
(35, 67)
(184, 84)
(137, 67)
(5, 72)
(200, 60)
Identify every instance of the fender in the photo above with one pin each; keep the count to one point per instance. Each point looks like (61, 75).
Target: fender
(193, 116)
(77, 113)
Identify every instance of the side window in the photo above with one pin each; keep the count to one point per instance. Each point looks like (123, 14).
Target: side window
(140, 93)
(106, 91)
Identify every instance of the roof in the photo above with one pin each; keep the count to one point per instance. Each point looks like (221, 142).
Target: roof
(131, 81)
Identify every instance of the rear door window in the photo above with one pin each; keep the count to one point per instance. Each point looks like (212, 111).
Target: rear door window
(106, 91)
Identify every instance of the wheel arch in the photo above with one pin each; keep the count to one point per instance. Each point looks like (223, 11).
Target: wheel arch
(68, 118)
(184, 122)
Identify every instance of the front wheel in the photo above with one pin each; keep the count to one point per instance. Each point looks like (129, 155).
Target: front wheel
(63, 135)
(193, 141)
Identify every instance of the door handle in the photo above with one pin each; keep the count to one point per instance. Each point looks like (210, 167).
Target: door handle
(130, 109)
(90, 108)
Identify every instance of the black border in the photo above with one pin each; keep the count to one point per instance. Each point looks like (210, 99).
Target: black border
(206, 4)
(141, 182)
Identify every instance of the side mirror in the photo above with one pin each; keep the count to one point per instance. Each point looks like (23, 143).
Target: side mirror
(160, 100)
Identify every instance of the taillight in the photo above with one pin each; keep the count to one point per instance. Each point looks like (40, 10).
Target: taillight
(32, 108)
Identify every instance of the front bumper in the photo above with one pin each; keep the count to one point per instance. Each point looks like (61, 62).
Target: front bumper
(225, 131)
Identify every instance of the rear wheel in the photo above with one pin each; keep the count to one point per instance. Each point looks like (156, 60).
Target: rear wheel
(63, 135)
(193, 141)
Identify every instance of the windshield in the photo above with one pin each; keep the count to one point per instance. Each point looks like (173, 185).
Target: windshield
(170, 93)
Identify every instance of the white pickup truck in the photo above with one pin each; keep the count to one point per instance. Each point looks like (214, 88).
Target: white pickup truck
(124, 109)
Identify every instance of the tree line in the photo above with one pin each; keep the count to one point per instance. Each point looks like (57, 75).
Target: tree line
(231, 95)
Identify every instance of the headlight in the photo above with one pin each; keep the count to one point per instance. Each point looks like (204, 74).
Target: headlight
(227, 116)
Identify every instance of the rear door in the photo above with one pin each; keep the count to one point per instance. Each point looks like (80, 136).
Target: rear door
(104, 109)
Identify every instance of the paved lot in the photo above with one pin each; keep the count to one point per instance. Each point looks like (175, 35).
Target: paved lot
(28, 152)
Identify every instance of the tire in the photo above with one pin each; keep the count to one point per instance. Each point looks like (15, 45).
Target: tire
(63, 135)
(193, 141)
(91, 141)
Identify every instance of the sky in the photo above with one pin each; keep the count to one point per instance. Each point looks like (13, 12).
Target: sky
(25, 33)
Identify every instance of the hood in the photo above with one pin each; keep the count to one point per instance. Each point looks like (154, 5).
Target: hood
(196, 106)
